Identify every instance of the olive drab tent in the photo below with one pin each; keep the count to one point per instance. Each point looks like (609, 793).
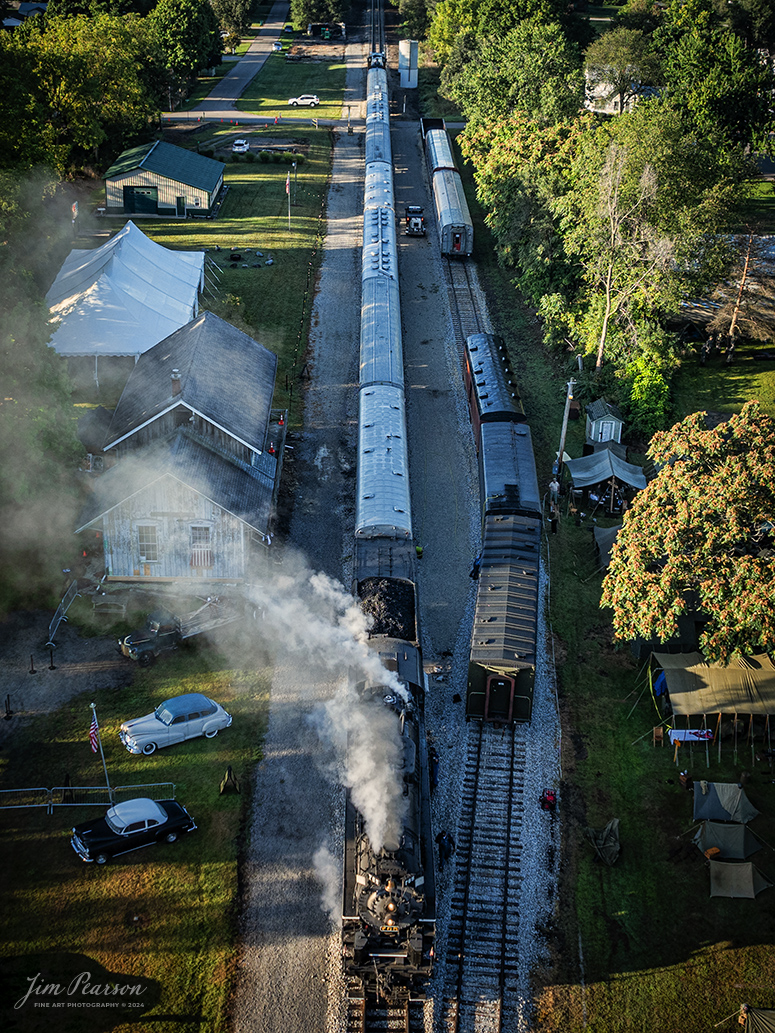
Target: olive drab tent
(758, 1020)
(605, 841)
(731, 841)
(722, 801)
(728, 879)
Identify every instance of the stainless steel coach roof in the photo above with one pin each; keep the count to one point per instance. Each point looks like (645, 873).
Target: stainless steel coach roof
(382, 505)
(378, 187)
(439, 150)
(379, 257)
(508, 468)
(378, 118)
(381, 355)
(451, 204)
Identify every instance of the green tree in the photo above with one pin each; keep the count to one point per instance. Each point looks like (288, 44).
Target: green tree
(415, 16)
(187, 33)
(723, 84)
(532, 70)
(647, 200)
(307, 12)
(622, 61)
(483, 18)
(521, 168)
(699, 538)
(91, 79)
(233, 15)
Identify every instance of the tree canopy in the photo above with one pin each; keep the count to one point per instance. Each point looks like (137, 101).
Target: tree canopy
(188, 34)
(623, 61)
(531, 70)
(699, 538)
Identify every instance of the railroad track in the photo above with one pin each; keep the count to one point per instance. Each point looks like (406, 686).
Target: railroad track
(482, 951)
(368, 1016)
(467, 317)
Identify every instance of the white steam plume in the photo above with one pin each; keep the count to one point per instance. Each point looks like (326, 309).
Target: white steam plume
(328, 874)
(309, 617)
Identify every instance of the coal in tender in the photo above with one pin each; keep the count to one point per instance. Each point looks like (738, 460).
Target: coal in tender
(390, 603)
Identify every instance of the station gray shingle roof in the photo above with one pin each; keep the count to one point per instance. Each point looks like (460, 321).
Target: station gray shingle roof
(224, 374)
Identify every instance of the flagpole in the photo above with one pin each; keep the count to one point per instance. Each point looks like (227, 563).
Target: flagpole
(102, 754)
(288, 191)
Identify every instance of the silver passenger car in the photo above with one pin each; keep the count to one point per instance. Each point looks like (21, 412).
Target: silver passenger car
(382, 505)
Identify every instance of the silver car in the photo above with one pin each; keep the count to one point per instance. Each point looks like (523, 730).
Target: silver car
(177, 719)
(310, 100)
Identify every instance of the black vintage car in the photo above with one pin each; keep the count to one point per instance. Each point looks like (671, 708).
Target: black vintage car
(128, 826)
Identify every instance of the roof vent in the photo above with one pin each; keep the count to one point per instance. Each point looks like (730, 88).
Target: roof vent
(175, 382)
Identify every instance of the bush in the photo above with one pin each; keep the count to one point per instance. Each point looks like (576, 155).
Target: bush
(235, 157)
(276, 157)
(250, 156)
(264, 155)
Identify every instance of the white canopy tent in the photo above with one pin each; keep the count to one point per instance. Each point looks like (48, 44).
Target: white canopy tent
(124, 297)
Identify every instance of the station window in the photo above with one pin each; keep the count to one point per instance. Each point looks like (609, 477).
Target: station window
(201, 551)
(147, 541)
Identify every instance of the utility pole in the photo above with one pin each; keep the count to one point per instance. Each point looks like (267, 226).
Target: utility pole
(557, 470)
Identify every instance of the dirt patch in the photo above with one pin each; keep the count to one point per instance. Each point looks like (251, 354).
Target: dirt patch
(76, 665)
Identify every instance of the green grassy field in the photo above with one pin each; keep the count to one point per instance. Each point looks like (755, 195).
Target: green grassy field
(166, 913)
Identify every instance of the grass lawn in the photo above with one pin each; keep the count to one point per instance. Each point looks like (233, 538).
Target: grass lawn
(269, 92)
(165, 914)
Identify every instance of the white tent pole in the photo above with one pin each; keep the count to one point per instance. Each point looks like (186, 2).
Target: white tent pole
(707, 748)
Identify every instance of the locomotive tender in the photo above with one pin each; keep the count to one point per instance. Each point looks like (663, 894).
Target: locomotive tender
(502, 661)
(453, 218)
(388, 907)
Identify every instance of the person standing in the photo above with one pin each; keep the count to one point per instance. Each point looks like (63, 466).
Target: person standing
(554, 491)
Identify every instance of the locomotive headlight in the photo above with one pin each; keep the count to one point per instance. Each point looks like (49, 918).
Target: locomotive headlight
(391, 906)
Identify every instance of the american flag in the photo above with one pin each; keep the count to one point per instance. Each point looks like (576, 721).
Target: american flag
(288, 183)
(94, 733)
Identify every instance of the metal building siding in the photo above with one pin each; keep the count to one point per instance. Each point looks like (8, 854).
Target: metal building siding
(168, 190)
(509, 481)
(382, 499)
(172, 508)
(381, 352)
(452, 214)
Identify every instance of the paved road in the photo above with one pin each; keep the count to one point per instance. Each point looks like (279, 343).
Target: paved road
(221, 102)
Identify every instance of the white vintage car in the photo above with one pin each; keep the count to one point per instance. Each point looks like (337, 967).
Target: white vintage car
(175, 720)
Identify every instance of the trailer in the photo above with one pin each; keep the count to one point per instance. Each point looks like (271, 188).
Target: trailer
(165, 630)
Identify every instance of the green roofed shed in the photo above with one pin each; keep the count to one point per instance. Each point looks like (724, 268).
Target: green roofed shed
(161, 179)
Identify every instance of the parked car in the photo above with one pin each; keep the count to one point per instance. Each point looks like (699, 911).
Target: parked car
(309, 100)
(277, 45)
(128, 826)
(177, 719)
(240, 147)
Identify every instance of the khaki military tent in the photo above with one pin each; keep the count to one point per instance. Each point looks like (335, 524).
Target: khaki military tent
(732, 841)
(746, 686)
(758, 1020)
(736, 880)
(722, 801)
